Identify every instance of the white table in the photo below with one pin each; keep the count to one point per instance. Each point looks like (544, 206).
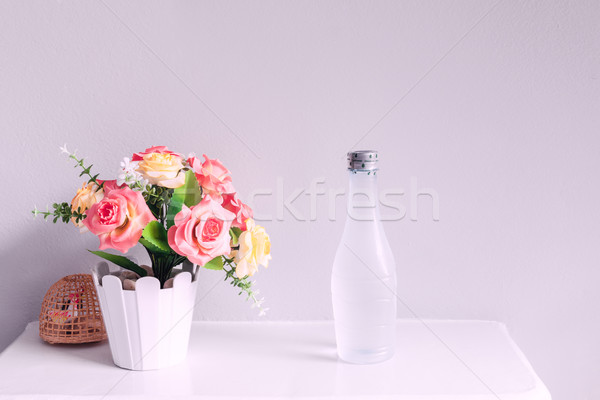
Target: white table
(475, 360)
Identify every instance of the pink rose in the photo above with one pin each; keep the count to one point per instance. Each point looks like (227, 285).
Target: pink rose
(214, 178)
(242, 212)
(88, 195)
(201, 233)
(155, 149)
(109, 185)
(119, 218)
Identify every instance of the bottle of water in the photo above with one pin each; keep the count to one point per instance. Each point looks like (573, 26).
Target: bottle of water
(363, 281)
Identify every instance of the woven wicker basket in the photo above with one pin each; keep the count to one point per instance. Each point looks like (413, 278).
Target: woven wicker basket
(71, 312)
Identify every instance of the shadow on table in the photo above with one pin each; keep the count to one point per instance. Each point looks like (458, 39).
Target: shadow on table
(280, 346)
(98, 353)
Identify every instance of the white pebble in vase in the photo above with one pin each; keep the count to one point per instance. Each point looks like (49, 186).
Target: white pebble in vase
(129, 284)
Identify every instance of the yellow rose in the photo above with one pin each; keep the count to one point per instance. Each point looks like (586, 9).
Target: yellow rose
(86, 197)
(255, 250)
(162, 169)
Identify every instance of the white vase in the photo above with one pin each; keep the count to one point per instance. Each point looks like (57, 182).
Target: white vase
(149, 327)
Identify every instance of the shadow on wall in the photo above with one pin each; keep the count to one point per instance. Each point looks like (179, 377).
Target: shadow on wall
(34, 256)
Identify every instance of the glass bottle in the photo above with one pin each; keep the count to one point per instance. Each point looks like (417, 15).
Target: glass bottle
(363, 281)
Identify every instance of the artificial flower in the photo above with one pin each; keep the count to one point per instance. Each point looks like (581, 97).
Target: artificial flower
(201, 233)
(242, 212)
(116, 211)
(212, 175)
(255, 250)
(128, 175)
(119, 219)
(160, 166)
(88, 195)
(109, 185)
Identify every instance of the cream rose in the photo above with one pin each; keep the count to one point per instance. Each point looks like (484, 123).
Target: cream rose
(255, 250)
(160, 167)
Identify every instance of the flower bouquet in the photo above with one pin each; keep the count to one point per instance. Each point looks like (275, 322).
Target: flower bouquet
(182, 210)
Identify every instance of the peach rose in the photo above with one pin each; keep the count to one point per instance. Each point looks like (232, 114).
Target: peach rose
(160, 167)
(119, 219)
(242, 212)
(87, 196)
(212, 175)
(201, 233)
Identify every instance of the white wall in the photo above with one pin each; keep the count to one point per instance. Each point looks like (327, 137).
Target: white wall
(496, 107)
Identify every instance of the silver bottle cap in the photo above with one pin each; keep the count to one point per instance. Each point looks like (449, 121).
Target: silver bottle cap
(363, 160)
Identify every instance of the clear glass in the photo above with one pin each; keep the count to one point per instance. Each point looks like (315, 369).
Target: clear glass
(363, 281)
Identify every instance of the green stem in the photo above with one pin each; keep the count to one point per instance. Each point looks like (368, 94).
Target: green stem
(61, 211)
(244, 284)
(86, 170)
(162, 265)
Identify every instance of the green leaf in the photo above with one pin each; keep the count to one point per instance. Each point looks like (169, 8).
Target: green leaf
(189, 194)
(235, 233)
(156, 234)
(121, 262)
(154, 249)
(214, 264)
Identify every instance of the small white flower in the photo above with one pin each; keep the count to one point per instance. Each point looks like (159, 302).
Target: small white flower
(128, 175)
(263, 312)
(64, 150)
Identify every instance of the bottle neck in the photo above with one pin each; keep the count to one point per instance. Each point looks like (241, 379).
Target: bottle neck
(363, 199)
